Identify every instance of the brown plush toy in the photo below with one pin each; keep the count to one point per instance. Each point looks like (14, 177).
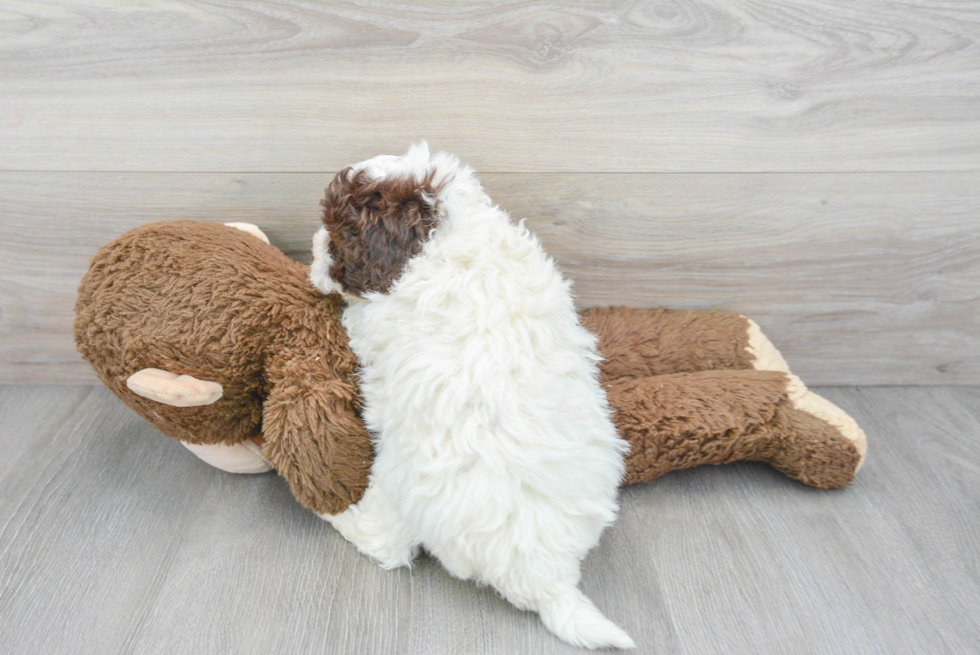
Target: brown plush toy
(220, 341)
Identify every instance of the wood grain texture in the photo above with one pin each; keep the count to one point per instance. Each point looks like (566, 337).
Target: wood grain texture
(858, 278)
(115, 539)
(540, 86)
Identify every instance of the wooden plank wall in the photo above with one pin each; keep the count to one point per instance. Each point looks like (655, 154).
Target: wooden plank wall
(815, 165)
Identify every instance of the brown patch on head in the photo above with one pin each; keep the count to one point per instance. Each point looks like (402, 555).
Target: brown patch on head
(376, 226)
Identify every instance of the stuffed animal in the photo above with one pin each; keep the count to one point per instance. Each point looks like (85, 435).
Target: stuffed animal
(220, 341)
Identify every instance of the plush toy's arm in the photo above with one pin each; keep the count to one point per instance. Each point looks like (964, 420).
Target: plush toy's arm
(682, 420)
(315, 438)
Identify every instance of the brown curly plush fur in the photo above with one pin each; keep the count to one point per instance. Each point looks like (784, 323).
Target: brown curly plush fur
(683, 420)
(220, 305)
(686, 393)
(644, 342)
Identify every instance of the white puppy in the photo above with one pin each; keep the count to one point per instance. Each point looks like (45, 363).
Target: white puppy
(494, 445)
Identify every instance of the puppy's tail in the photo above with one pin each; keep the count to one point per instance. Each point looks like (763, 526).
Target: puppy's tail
(572, 617)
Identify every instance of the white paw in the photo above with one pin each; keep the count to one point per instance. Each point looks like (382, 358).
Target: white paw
(376, 529)
(395, 557)
(387, 549)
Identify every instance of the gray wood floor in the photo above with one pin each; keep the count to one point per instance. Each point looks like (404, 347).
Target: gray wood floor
(115, 540)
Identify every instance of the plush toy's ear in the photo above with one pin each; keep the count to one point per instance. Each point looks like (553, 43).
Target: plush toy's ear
(172, 389)
(314, 437)
(375, 225)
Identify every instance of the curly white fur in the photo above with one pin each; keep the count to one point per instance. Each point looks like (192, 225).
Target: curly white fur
(495, 449)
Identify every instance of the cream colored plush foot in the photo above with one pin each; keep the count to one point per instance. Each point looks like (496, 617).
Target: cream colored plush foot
(172, 389)
(805, 400)
(244, 457)
(767, 358)
(251, 229)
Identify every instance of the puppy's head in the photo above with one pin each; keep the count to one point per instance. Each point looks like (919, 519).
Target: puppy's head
(376, 216)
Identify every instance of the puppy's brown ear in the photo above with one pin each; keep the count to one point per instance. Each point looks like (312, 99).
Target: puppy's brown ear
(376, 226)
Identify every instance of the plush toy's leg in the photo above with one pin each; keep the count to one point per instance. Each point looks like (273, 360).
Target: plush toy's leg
(638, 343)
(712, 417)
(251, 229)
(243, 457)
(765, 357)
(643, 342)
(822, 409)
